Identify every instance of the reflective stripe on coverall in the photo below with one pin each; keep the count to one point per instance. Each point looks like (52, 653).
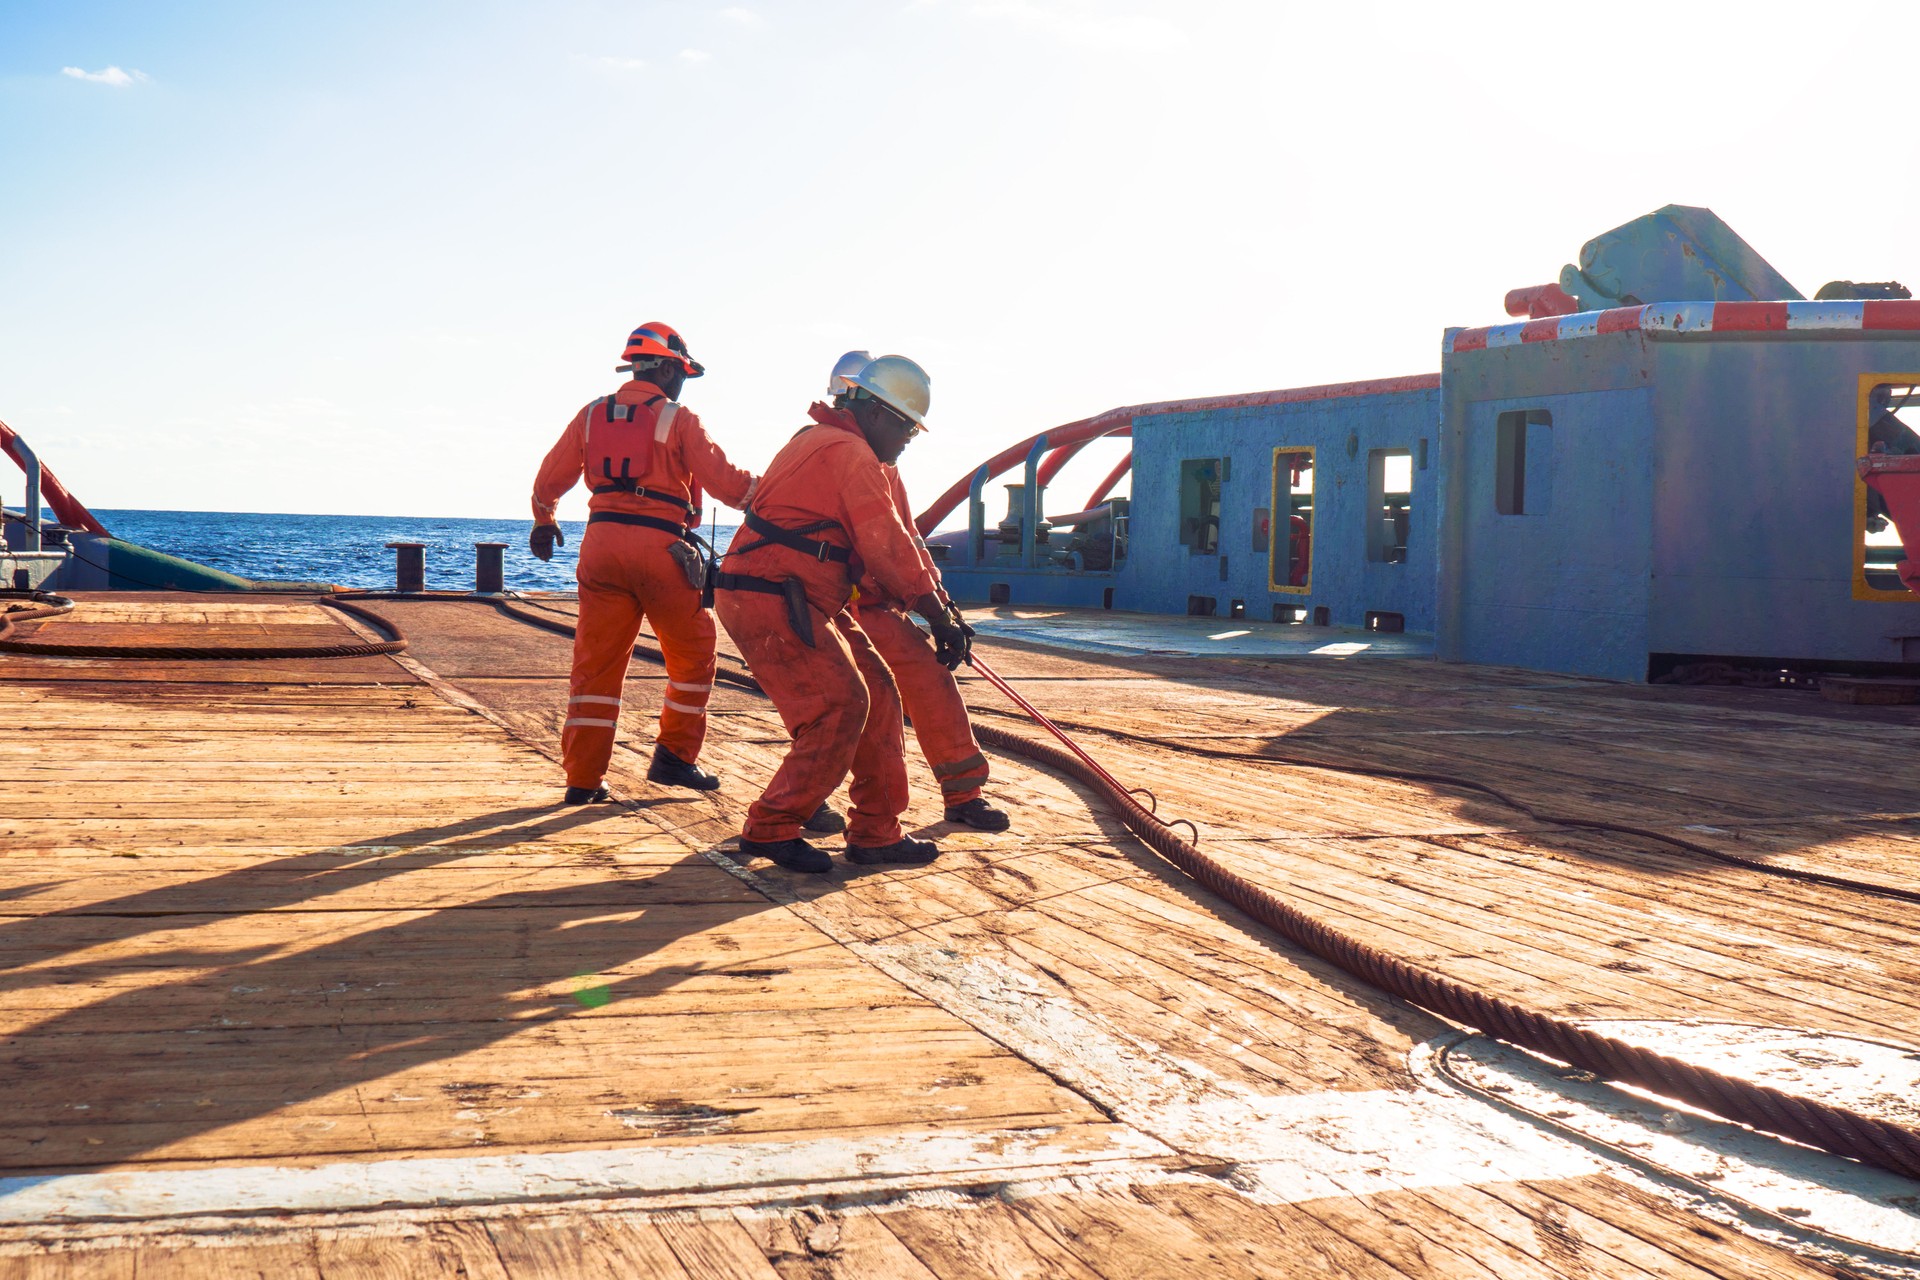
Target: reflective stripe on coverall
(928, 690)
(626, 574)
(836, 699)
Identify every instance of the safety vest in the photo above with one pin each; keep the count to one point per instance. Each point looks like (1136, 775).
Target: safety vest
(620, 441)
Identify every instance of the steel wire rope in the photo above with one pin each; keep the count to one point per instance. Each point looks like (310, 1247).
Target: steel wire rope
(1870, 1139)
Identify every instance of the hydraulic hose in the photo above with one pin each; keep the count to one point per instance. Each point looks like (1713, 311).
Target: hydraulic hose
(1871, 1139)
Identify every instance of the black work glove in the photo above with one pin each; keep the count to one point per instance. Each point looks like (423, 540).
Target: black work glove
(544, 538)
(952, 644)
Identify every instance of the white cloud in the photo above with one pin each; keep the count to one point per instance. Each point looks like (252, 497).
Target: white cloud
(742, 17)
(112, 75)
(622, 64)
(694, 55)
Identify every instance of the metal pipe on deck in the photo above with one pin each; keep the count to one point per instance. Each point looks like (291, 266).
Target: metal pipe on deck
(977, 517)
(30, 463)
(1030, 505)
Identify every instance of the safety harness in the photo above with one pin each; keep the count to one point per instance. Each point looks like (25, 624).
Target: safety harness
(795, 539)
(792, 590)
(622, 437)
(627, 444)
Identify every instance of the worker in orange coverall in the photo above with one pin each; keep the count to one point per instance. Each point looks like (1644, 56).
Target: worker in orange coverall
(645, 457)
(928, 690)
(823, 516)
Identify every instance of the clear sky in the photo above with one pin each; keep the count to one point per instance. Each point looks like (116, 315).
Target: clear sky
(369, 258)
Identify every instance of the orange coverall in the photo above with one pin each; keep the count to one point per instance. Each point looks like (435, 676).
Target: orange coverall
(625, 575)
(927, 689)
(836, 698)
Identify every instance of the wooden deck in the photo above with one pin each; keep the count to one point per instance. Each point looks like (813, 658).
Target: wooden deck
(303, 973)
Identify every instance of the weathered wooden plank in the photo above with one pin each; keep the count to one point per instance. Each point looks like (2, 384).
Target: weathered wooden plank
(716, 1248)
(578, 1247)
(461, 1249)
(70, 1264)
(1125, 1237)
(1274, 1240)
(222, 1261)
(814, 1245)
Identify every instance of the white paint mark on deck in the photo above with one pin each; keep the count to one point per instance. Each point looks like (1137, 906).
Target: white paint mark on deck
(1804, 1196)
(652, 1170)
(1289, 1146)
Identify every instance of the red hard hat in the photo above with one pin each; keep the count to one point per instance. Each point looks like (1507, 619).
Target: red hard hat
(655, 340)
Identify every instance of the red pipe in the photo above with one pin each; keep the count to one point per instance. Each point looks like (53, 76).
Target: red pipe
(66, 508)
(1060, 457)
(1106, 424)
(1012, 456)
(1114, 477)
(1057, 459)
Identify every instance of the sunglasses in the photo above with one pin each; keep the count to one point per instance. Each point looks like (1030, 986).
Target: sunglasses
(913, 428)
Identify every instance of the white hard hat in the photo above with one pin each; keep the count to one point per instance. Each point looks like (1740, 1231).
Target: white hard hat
(898, 382)
(845, 367)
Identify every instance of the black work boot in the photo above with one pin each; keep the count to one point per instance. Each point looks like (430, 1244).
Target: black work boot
(979, 815)
(905, 851)
(587, 795)
(670, 770)
(825, 821)
(794, 855)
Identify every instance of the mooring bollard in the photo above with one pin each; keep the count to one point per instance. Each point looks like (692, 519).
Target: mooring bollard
(409, 565)
(489, 568)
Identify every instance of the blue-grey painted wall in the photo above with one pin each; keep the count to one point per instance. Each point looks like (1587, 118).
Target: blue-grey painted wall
(1162, 571)
(1702, 504)
(1563, 586)
(1754, 511)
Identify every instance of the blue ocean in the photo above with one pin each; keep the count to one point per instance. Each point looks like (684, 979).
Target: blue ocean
(351, 551)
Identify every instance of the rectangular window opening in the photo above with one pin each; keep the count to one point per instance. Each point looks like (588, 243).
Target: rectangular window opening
(1389, 504)
(1290, 559)
(1200, 481)
(999, 593)
(1889, 429)
(1523, 475)
(1201, 606)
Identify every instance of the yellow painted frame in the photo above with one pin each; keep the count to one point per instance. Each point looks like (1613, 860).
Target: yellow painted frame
(1861, 589)
(1281, 509)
